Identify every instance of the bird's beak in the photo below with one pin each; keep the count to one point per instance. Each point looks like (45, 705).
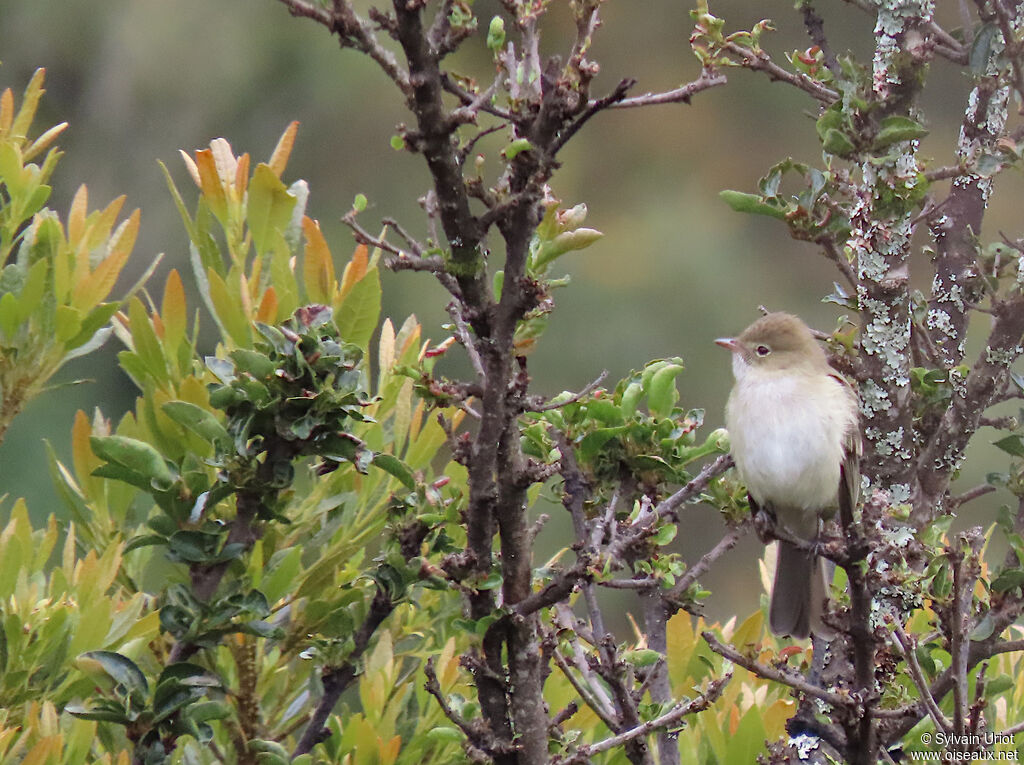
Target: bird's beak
(729, 343)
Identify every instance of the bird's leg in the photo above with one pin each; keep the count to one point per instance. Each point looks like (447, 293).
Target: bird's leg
(764, 520)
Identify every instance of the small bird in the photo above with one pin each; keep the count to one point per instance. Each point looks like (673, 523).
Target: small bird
(793, 427)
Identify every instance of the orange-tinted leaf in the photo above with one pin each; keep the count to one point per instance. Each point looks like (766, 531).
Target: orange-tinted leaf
(173, 310)
(44, 140)
(267, 312)
(279, 159)
(97, 285)
(82, 457)
(210, 184)
(99, 229)
(6, 110)
(243, 293)
(27, 112)
(242, 174)
(355, 269)
(76, 215)
(318, 268)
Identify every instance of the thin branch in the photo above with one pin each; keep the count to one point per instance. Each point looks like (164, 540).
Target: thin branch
(761, 62)
(1008, 646)
(978, 491)
(353, 32)
(337, 679)
(678, 712)
(792, 679)
(463, 335)
(681, 95)
(471, 99)
(593, 107)
(398, 259)
(606, 714)
(815, 27)
(417, 248)
(476, 739)
(833, 253)
(907, 648)
(557, 402)
(945, 173)
(701, 566)
(694, 487)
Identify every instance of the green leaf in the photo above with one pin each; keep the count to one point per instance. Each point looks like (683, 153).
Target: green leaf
(631, 398)
(444, 734)
(896, 129)
(103, 713)
(137, 456)
(665, 534)
(121, 670)
(209, 710)
(200, 421)
(1013, 445)
(838, 143)
(981, 49)
(391, 464)
(750, 203)
(229, 314)
(360, 310)
(253, 362)
(144, 540)
(192, 546)
(515, 148)
(1008, 580)
(643, 657)
(269, 207)
(662, 393)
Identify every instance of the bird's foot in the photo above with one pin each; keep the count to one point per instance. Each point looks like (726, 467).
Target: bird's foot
(764, 521)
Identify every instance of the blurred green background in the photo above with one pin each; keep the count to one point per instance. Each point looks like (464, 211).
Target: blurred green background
(139, 79)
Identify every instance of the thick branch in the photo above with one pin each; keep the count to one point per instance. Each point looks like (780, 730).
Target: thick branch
(337, 679)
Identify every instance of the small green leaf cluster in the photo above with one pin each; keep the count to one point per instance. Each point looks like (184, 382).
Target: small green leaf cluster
(154, 720)
(810, 214)
(299, 386)
(612, 434)
(559, 232)
(710, 43)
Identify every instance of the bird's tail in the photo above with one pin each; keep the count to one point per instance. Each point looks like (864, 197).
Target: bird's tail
(799, 594)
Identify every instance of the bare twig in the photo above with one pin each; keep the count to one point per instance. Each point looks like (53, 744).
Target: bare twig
(760, 61)
(794, 680)
(694, 487)
(680, 95)
(970, 494)
(906, 647)
(337, 679)
(678, 712)
(815, 27)
(698, 569)
(416, 247)
(555, 403)
(353, 32)
(617, 95)
(465, 338)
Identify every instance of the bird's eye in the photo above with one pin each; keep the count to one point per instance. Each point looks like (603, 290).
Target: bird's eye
(762, 350)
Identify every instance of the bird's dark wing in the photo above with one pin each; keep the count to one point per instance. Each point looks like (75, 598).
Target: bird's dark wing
(849, 478)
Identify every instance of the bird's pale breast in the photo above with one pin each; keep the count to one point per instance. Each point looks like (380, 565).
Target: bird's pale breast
(787, 435)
